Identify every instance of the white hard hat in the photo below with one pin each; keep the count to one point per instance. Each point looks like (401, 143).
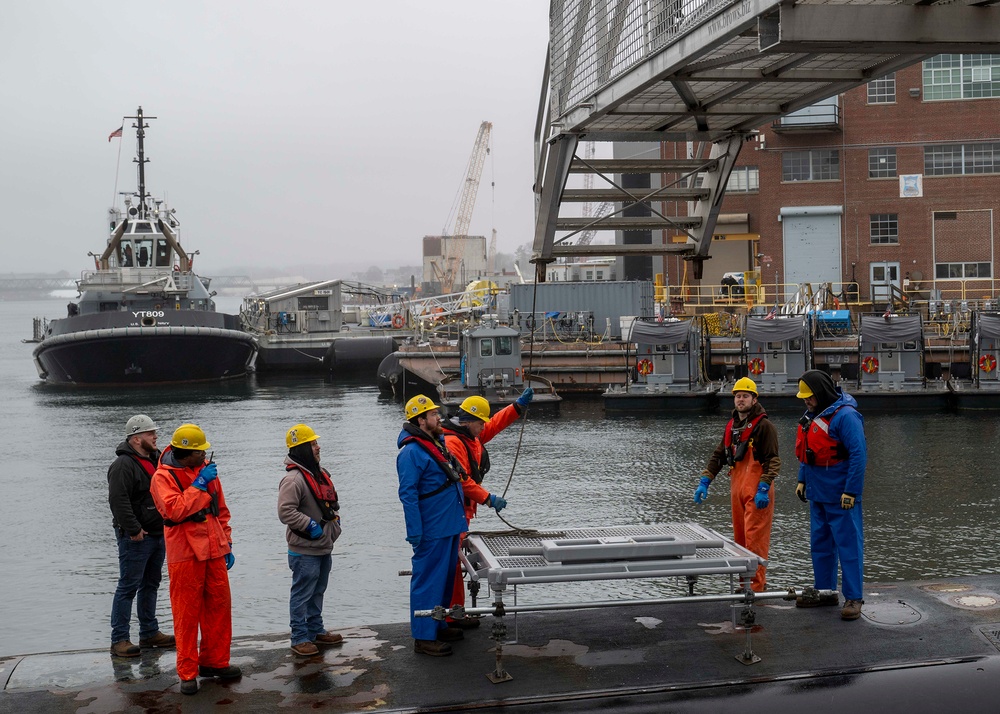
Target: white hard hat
(138, 424)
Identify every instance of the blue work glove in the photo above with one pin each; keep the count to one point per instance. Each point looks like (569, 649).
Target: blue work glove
(761, 500)
(701, 493)
(526, 396)
(414, 540)
(315, 529)
(206, 476)
(497, 503)
(230, 558)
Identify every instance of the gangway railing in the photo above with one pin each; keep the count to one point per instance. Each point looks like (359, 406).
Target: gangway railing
(428, 312)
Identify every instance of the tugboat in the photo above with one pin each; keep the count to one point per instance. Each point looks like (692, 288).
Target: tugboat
(143, 317)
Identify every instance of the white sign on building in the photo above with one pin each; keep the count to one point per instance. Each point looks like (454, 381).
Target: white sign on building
(911, 185)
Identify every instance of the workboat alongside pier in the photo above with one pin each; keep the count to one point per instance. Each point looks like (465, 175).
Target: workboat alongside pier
(668, 371)
(144, 316)
(305, 328)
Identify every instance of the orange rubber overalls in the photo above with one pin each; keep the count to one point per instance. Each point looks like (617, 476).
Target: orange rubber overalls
(751, 525)
(199, 582)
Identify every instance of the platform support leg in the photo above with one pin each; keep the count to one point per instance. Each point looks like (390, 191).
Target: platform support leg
(498, 634)
(747, 618)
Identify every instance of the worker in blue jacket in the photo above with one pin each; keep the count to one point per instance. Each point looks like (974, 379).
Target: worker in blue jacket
(430, 490)
(831, 446)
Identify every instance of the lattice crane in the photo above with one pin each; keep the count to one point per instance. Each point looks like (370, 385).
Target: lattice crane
(465, 204)
(470, 186)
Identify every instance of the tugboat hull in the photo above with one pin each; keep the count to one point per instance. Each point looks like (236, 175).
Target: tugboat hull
(145, 355)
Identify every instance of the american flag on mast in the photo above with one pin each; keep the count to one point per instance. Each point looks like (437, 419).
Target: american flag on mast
(772, 314)
(116, 132)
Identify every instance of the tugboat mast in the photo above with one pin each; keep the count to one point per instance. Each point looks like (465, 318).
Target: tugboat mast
(140, 134)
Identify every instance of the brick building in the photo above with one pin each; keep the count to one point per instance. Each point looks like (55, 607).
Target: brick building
(893, 183)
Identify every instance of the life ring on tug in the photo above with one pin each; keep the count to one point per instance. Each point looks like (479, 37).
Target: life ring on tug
(756, 366)
(398, 321)
(869, 364)
(987, 363)
(645, 367)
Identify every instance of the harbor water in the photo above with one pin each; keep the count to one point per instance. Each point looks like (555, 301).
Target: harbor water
(931, 499)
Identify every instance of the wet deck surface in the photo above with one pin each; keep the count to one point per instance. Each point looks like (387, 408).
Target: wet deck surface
(917, 644)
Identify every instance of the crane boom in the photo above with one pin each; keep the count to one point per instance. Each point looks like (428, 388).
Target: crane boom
(471, 186)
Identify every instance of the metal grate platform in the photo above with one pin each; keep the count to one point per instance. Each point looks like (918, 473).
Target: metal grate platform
(617, 552)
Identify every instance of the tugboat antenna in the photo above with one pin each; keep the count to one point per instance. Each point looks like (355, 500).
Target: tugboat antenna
(140, 134)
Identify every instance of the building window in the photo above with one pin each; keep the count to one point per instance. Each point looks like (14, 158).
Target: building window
(959, 159)
(963, 270)
(882, 162)
(590, 275)
(815, 165)
(600, 275)
(744, 179)
(884, 228)
(961, 77)
(882, 90)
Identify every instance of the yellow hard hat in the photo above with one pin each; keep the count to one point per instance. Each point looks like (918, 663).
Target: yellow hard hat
(418, 405)
(189, 436)
(299, 434)
(805, 391)
(745, 384)
(477, 407)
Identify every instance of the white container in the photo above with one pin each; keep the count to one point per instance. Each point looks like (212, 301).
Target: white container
(626, 322)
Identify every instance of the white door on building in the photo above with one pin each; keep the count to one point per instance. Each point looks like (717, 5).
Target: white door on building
(883, 277)
(811, 242)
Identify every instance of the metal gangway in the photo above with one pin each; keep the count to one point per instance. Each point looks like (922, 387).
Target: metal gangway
(708, 72)
(426, 313)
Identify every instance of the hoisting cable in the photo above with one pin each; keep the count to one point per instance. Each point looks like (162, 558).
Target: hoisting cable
(524, 418)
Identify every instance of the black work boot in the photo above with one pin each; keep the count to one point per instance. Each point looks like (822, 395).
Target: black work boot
(432, 648)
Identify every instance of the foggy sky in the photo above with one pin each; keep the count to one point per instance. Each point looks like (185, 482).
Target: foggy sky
(288, 133)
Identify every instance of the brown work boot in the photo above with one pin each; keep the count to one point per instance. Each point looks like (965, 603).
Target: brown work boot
(450, 634)
(305, 649)
(465, 623)
(852, 610)
(432, 648)
(124, 649)
(189, 686)
(328, 638)
(158, 640)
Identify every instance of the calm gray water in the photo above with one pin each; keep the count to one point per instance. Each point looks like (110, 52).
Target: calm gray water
(931, 500)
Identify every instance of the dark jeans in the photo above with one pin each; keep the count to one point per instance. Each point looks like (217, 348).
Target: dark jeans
(140, 565)
(310, 575)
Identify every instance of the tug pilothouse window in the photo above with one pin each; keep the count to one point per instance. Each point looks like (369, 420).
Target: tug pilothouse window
(486, 347)
(143, 227)
(127, 259)
(505, 346)
(143, 253)
(162, 254)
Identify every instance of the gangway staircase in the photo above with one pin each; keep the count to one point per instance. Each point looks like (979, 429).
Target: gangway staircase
(705, 71)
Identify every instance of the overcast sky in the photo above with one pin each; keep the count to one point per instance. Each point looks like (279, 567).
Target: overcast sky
(287, 133)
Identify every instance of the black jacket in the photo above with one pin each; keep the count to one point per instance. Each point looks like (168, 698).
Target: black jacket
(128, 493)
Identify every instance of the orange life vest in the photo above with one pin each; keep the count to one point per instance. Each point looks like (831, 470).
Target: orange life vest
(814, 445)
(736, 451)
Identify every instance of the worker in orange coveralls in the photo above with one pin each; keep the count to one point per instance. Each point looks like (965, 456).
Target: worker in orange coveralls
(464, 435)
(199, 542)
(749, 446)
